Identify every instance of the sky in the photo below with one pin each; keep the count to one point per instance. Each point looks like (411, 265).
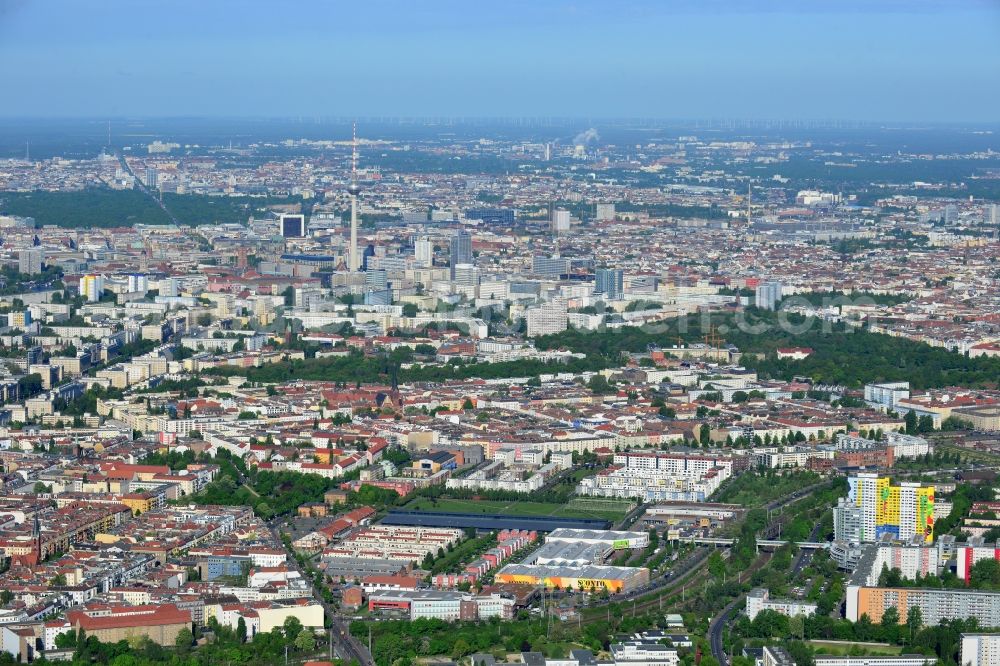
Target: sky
(874, 60)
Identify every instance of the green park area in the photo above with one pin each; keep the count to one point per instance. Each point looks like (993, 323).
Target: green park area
(853, 648)
(576, 508)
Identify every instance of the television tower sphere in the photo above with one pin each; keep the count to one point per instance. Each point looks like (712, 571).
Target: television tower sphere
(354, 189)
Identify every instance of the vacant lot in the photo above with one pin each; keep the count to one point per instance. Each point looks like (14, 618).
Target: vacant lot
(845, 647)
(603, 511)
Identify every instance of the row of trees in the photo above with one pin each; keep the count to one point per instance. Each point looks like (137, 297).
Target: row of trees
(942, 641)
(402, 643)
(756, 488)
(356, 368)
(225, 645)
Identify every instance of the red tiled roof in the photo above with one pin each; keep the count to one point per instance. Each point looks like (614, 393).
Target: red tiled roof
(163, 615)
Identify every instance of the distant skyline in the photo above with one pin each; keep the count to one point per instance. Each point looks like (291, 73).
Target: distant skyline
(890, 60)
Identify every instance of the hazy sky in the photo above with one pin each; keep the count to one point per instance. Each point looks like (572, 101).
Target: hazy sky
(934, 60)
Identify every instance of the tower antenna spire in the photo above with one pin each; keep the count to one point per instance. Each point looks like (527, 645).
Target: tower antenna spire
(353, 189)
(354, 152)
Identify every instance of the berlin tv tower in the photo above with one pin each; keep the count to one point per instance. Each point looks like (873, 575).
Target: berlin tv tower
(354, 189)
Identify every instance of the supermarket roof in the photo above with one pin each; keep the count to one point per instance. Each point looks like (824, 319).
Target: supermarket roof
(571, 534)
(590, 571)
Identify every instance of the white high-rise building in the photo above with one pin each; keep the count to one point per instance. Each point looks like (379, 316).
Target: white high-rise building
(863, 492)
(887, 394)
(605, 212)
(768, 295)
(168, 287)
(848, 522)
(548, 318)
(423, 251)
(138, 283)
(29, 262)
(560, 221)
(980, 649)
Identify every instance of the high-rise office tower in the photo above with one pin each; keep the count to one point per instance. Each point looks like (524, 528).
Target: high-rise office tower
(376, 279)
(29, 262)
(610, 282)
(367, 255)
(292, 226)
(461, 250)
(354, 190)
(605, 212)
(151, 178)
(466, 275)
(555, 266)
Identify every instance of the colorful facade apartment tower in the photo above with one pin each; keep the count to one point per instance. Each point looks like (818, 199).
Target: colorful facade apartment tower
(901, 511)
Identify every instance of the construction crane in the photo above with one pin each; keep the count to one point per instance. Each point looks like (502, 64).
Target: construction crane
(712, 338)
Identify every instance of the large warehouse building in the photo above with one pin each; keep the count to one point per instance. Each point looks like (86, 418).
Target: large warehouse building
(615, 539)
(571, 547)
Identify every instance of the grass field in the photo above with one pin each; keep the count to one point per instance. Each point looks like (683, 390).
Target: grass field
(575, 509)
(984, 457)
(841, 648)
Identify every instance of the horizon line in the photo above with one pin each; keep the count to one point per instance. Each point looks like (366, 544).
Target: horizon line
(305, 118)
